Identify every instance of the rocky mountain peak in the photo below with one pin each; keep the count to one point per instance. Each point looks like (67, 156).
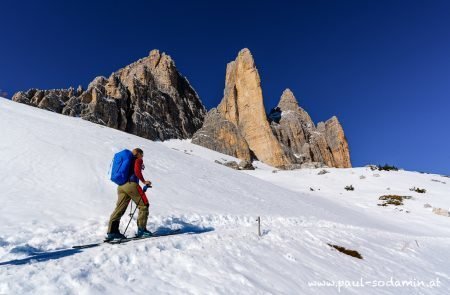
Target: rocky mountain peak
(245, 59)
(322, 144)
(149, 98)
(288, 102)
(239, 126)
(154, 53)
(243, 106)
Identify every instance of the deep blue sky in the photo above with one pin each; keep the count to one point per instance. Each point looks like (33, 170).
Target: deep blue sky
(383, 67)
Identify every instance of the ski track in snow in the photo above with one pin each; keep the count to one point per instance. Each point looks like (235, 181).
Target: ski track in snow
(56, 194)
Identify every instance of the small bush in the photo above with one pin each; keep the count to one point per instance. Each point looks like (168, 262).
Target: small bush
(352, 253)
(393, 200)
(418, 190)
(387, 167)
(349, 188)
(372, 167)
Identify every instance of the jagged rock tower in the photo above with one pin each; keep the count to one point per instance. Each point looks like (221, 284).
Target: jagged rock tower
(148, 98)
(239, 126)
(306, 143)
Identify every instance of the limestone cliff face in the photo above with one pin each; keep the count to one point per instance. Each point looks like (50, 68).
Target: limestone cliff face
(325, 143)
(239, 126)
(338, 143)
(221, 135)
(242, 106)
(148, 98)
(294, 127)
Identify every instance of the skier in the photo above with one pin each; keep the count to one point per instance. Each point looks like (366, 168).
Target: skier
(131, 190)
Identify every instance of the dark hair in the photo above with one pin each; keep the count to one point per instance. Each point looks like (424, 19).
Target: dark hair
(139, 151)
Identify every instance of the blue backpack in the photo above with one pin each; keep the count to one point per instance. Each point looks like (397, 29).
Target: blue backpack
(120, 171)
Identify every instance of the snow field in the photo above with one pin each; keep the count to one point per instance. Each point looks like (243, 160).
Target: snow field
(56, 193)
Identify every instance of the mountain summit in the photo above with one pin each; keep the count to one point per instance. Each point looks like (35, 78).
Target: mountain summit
(148, 98)
(307, 144)
(239, 126)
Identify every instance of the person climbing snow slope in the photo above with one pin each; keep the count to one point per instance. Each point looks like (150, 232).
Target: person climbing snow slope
(127, 167)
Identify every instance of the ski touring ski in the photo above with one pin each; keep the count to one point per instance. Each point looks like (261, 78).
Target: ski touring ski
(123, 241)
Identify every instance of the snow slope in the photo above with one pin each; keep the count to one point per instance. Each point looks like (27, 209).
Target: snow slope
(56, 193)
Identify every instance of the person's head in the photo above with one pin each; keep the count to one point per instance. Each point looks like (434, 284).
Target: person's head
(138, 153)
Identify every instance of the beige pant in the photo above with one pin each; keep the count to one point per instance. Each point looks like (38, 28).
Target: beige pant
(126, 192)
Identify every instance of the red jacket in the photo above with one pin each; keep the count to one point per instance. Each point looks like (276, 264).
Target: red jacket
(138, 169)
(136, 176)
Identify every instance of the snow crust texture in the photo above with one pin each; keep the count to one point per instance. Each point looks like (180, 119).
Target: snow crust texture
(56, 193)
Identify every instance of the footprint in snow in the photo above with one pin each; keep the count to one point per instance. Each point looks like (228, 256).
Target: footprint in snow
(290, 257)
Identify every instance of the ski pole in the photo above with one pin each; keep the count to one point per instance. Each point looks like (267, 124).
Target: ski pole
(131, 218)
(137, 205)
(131, 209)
